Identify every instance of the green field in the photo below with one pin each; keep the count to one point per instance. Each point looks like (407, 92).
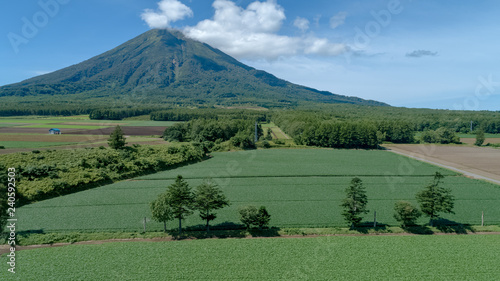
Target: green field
(468, 257)
(300, 188)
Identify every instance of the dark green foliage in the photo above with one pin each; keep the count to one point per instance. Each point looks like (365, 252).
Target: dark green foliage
(248, 215)
(434, 199)
(180, 199)
(355, 202)
(187, 114)
(479, 137)
(263, 217)
(66, 171)
(116, 139)
(161, 210)
(269, 135)
(251, 216)
(441, 135)
(406, 214)
(240, 132)
(208, 198)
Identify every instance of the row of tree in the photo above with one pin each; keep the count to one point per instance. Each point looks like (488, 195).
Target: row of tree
(179, 201)
(433, 200)
(241, 132)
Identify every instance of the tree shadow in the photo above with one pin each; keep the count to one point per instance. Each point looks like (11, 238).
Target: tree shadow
(265, 232)
(448, 226)
(222, 230)
(367, 227)
(418, 229)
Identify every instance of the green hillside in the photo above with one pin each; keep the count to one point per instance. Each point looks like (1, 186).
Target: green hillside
(164, 67)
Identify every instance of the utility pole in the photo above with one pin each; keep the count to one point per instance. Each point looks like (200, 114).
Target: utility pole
(471, 126)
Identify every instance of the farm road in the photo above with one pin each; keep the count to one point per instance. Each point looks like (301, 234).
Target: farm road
(475, 162)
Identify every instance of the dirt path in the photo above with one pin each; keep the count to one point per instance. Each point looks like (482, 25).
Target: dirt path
(475, 162)
(4, 249)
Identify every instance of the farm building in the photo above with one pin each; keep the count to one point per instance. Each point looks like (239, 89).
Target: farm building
(54, 131)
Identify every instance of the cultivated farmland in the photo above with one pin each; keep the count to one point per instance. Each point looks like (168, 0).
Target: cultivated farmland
(471, 257)
(300, 188)
(30, 132)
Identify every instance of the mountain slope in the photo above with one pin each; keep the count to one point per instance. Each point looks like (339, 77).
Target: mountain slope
(163, 66)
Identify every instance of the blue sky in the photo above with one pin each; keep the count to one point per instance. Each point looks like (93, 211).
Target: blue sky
(434, 54)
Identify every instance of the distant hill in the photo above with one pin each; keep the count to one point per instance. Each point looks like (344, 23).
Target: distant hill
(162, 67)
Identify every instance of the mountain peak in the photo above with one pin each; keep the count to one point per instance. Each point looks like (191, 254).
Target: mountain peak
(164, 66)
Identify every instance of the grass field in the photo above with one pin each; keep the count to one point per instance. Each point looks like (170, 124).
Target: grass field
(300, 188)
(468, 257)
(277, 132)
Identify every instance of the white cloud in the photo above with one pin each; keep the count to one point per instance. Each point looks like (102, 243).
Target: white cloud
(301, 23)
(338, 20)
(251, 33)
(168, 11)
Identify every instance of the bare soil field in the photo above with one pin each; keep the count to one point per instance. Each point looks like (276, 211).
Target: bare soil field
(129, 130)
(487, 140)
(16, 130)
(52, 138)
(476, 162)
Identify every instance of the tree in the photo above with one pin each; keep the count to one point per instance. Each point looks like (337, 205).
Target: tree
(405, 213)
(262, 218)
(116, 139)
(180, 199)
(434, 199)
(269, 135)
(479, 137)
(355, 202)
(207, 198)
(248, 215)
(161, 210)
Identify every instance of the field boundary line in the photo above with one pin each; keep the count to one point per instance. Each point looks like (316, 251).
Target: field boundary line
(4, 248)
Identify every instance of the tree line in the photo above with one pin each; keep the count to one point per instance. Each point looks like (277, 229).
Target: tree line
(433, 200)
(240, 132)
(180, 201)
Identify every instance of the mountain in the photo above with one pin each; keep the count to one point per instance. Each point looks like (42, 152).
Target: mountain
(164, 66)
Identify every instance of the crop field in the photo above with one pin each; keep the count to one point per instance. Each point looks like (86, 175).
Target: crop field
(470, 257)
(277, 132)
(300, 188)
(29, 132)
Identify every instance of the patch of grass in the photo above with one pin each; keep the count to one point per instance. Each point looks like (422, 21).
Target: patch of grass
(321, 258)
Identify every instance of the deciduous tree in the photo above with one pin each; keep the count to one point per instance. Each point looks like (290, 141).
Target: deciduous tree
(434, 199)
(479, 137)
(405, 213)
(161, 210)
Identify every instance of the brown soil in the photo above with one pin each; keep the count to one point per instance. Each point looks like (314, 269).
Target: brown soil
(476, 162)
(129, 130)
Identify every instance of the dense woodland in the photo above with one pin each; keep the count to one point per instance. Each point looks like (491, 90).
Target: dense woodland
(49, 173)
